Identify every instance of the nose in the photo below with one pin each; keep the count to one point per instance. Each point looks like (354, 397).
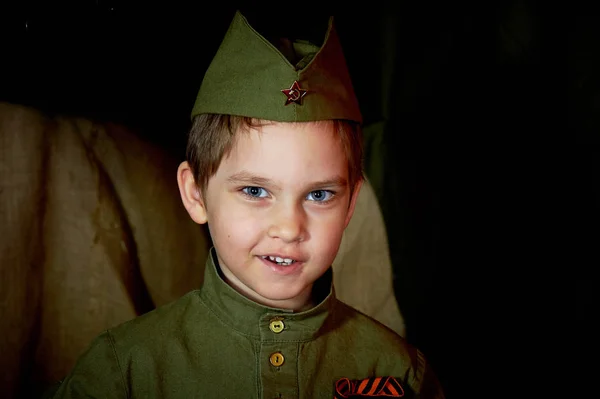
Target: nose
(288, 223)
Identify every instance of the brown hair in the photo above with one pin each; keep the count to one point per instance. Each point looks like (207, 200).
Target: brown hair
(212, 137)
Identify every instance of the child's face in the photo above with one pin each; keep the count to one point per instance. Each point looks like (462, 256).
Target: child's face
(282, 192)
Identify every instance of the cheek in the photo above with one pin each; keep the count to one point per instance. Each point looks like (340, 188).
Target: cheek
(234, 227)
(328, 233)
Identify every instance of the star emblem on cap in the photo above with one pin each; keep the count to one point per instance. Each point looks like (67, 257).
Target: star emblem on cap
(294, 94)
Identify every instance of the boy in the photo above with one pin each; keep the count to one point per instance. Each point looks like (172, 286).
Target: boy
(274, 168)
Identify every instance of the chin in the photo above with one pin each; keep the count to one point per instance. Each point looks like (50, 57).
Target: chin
(280, 294)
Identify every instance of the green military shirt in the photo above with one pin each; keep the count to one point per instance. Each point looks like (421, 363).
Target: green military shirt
(215, 343)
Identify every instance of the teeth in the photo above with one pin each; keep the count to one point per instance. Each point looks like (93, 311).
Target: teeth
(278, 260)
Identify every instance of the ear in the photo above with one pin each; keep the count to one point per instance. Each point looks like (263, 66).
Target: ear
(353, 199)
(190, 194)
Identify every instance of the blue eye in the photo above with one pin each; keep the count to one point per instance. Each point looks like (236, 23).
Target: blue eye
(319, 195)
(256, 192)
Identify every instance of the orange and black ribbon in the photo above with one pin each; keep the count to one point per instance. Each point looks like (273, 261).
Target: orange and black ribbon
(373, 386)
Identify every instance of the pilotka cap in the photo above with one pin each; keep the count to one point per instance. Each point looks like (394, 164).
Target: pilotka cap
(250, 77)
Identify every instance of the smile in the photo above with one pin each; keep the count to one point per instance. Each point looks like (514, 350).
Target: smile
(278, 260)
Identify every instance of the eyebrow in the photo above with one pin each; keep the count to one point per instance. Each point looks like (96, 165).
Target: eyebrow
(337, 181)
(245, 177)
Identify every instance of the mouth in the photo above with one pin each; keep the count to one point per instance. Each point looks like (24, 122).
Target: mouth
(279, 261)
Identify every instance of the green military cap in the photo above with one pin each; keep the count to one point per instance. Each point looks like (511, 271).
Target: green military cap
(250, 77)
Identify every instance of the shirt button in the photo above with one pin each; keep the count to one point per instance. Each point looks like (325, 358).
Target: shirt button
(276, 325)
(276, 359)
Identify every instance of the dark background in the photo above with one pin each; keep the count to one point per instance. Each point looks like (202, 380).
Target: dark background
(480, 173)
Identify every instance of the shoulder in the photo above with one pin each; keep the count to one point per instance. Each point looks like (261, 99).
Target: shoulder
(366, 329)
(381, 349)
(152, 328)
(139, 345)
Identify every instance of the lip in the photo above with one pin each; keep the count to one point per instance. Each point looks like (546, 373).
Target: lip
(282, 270)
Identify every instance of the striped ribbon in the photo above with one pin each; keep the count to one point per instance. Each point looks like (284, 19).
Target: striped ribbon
(373, 386)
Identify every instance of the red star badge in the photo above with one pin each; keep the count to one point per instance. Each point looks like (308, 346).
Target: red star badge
(294, 94)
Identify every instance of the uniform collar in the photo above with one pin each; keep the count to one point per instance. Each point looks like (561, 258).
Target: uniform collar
(249, 318)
